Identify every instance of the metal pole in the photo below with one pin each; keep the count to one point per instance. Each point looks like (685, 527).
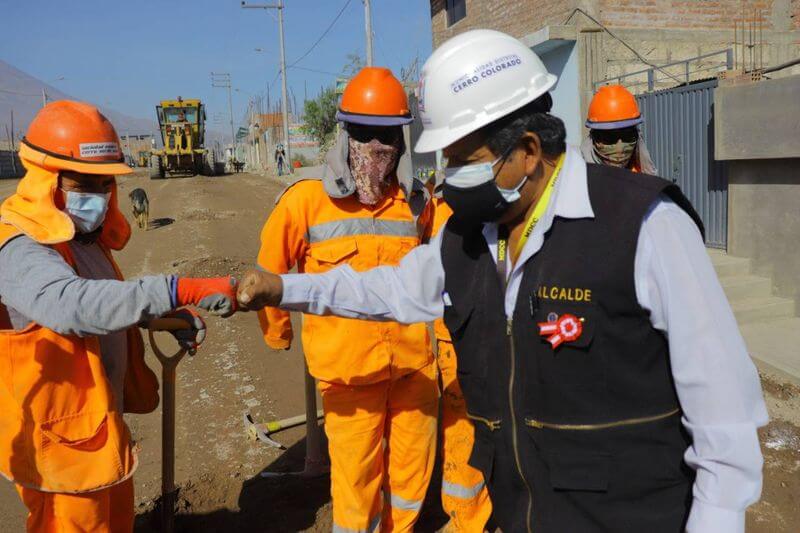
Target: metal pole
(283, 91)
(368, 26)
(168, 450)
(315, 460)
(230, 111)
(44, 97)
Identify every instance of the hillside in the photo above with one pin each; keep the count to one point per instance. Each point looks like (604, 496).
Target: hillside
(23, 93)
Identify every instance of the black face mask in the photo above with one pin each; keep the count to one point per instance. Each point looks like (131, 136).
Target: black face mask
(476, 205)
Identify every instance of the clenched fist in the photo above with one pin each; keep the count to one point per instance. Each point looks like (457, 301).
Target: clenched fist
(259, 289)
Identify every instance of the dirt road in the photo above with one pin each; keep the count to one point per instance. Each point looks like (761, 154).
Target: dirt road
(210, 226)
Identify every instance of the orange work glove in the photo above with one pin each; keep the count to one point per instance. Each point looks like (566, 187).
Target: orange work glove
(215, 295)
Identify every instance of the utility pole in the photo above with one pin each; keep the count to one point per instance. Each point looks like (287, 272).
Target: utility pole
(223, 80)
(279, 6)
(44, 97)
(368, 24)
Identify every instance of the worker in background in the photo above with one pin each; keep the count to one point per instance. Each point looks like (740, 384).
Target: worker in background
(600, 361)
(465, 497)
(377, 380)
(70, 348)
(280, 159)
(614, 138)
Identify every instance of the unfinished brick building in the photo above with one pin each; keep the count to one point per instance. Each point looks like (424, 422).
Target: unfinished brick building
(584, 52)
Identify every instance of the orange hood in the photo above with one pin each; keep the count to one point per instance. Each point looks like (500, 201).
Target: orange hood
(32, 209)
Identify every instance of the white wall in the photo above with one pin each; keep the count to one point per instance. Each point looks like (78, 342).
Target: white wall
(562, 60)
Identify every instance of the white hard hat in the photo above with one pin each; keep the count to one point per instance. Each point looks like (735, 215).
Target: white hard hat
(473, 79)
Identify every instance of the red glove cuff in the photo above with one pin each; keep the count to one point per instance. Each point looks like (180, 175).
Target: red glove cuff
(190, 291)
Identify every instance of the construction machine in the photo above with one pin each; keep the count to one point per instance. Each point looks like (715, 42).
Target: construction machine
(182, 124)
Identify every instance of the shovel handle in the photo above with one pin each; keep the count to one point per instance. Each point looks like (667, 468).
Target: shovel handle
(168, 324)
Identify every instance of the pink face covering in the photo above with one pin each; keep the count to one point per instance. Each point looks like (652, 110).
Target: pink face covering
(371, 164)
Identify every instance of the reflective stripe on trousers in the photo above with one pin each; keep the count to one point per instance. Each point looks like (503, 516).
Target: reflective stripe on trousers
(374, 525)
(460, 491)
(360, 226)
(406, 505)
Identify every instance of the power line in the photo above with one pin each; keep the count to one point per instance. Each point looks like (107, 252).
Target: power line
(330, 26)
(626, 45)
(337, 74)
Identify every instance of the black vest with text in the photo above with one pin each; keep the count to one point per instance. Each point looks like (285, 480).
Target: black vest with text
(587, 436)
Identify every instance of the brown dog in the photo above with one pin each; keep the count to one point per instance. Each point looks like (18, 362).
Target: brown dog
(141, 208)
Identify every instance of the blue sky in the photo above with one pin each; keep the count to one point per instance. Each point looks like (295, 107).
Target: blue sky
(129, 54)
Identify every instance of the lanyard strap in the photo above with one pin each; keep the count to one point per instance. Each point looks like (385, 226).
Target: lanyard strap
(502, 230)
(502, 256)
(541, 207)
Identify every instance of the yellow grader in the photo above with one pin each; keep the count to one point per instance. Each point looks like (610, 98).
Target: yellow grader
(182, 124)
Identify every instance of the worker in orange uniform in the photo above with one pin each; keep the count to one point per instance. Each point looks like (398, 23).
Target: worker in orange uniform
(72, 358)
(465, 497)
(614, 138)
(377, 380)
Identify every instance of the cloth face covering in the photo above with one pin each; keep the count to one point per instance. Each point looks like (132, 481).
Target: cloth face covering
(371, 163)
(618, 154)
(87, 210)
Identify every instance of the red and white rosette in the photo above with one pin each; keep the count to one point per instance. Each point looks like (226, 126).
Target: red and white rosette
(567, 328)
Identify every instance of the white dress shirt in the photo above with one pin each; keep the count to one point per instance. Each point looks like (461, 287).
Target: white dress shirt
(717, 383)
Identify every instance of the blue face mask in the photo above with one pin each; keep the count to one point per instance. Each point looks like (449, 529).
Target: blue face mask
(86, 209)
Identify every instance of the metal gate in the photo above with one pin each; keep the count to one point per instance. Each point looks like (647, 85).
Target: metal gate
(679, 131)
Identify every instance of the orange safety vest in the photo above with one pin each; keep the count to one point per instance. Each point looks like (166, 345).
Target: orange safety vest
(314, 232)
(60, 430)
(442, 213)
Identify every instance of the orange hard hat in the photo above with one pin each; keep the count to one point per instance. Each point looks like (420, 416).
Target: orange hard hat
(613, 107)
(374, 97)
(67, 135)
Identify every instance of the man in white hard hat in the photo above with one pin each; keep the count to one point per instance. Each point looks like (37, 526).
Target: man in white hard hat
(610, 387)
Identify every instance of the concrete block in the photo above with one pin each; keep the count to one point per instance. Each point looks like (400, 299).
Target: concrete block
(727, 265)
(758, 309)
(757, 121)
(744, 287)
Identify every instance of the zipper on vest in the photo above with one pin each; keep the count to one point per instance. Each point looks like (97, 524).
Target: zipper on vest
(492, 424)
(509, 333)
(538, 424)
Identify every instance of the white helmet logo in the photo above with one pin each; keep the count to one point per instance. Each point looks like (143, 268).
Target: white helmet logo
(484, 71)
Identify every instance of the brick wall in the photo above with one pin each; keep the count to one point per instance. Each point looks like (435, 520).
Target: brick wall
(662, 31)
(521, 17)
(516, 17)
(680, 14)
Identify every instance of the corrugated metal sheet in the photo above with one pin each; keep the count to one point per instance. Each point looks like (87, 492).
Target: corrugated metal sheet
(10, 164)
(679, 131)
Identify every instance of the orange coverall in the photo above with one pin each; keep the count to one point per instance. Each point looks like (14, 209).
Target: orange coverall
(377, 379)
(465, 497)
